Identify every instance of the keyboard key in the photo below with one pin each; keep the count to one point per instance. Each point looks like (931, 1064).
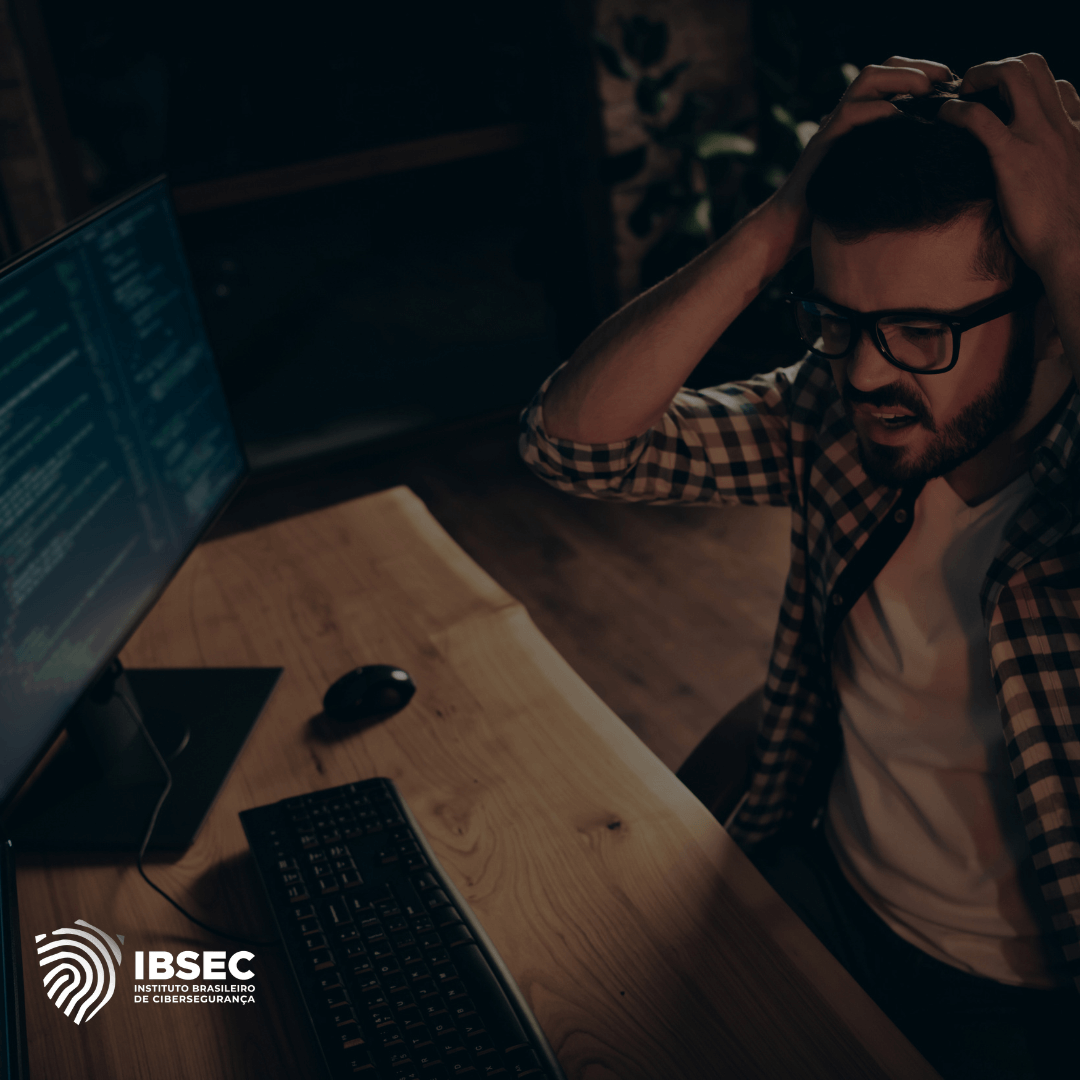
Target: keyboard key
(494, 1070)
(322, 869)
(328, 885)
(305, 912)
(419, 1038)
(411, 956)
(470, 1026)
(524, 1063)
(463, 1068)
(381, 1016)
(296, 893)
(445, 916)
(463, 1008)
(425, 881)
(455, 991)
(310, 926)
(361, 1066)
(436, 959)
(329, 982)
(321, 960)
(349, 934)
(435, 1011)
(415, 862)
(350, 1036)
(336, 998)
(316, 941)
(457, 935)
(491, 1002)
(308, 840)
(430, 940)
(409, 1016)
(343, 1016)
(436, 899)
(391, 1037)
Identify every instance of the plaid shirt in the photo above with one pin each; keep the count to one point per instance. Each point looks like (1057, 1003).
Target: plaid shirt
(784, 439)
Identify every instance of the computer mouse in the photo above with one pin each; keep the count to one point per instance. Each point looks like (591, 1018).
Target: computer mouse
(376, 690)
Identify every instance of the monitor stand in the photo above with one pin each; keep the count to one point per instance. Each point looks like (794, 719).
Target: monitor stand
(101, 786)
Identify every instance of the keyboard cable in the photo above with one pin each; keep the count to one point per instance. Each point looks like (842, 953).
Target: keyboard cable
(137, 717)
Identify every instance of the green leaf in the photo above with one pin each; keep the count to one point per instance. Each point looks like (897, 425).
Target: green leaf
(644, 40)
(668, 77)
(724, 143)
(774, 176)
(609, 57)
(782, 116)
(624, 166)
(650, 96)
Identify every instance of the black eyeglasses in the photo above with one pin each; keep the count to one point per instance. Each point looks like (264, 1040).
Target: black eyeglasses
(916, 341)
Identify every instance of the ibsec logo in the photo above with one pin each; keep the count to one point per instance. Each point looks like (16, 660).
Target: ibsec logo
(80, 975)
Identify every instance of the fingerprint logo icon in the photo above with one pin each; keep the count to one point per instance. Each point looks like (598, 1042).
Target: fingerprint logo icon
(80, 975)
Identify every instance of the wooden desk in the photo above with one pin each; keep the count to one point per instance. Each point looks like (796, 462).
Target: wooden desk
(644, 940)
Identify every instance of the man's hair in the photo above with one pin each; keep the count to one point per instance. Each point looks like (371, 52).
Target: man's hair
(906, 172)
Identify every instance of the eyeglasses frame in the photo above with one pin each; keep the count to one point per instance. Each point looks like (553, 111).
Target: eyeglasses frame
(866, 321)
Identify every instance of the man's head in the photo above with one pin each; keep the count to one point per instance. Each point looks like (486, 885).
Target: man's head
(905, 219)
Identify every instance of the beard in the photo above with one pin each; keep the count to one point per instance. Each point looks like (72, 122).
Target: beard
(976, 426)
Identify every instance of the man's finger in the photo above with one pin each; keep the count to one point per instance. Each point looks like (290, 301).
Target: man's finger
(934, 71)
(1070, 99)
(1016, 83)
(978, 119)
(877, 81)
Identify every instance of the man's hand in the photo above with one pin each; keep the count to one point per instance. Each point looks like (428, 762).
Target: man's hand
(1036, 158)
(864, 100)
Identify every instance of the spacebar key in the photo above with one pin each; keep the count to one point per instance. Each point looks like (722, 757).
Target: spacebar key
(499, 1017)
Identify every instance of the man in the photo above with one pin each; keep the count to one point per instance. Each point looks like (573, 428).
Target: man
(916, 790)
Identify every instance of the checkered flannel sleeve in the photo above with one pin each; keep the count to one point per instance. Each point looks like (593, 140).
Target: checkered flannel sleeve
(724, 444)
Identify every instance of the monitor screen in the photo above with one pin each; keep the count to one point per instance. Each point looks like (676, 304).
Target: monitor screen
(116, 452)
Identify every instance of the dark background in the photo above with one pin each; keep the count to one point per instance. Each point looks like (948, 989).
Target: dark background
(378, 308)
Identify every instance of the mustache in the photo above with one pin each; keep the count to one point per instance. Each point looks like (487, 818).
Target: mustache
(895, 394)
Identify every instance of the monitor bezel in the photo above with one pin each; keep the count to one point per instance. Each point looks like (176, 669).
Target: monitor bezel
(26, 774)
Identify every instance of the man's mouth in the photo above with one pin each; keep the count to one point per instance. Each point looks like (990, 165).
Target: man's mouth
(891, 419)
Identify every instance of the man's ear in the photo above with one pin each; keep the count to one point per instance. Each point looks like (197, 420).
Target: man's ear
(1047, 339)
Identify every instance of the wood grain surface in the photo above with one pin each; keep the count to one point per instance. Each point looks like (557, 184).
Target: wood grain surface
(644, 940)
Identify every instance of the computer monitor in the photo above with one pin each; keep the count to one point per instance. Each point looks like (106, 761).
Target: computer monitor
(117, 451)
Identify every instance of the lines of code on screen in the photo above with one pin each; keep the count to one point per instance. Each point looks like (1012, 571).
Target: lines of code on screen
(115, 447)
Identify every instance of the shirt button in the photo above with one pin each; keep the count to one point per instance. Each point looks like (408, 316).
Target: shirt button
(837, 599)
(900, 517)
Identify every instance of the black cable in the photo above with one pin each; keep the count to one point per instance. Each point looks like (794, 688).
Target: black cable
(137, 717)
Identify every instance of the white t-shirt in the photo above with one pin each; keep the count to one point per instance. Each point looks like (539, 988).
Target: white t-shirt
(922, 813)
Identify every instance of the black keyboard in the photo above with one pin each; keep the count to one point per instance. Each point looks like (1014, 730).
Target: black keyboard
(399, 979)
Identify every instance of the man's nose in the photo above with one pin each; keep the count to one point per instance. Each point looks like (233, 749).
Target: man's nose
(867, 369)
